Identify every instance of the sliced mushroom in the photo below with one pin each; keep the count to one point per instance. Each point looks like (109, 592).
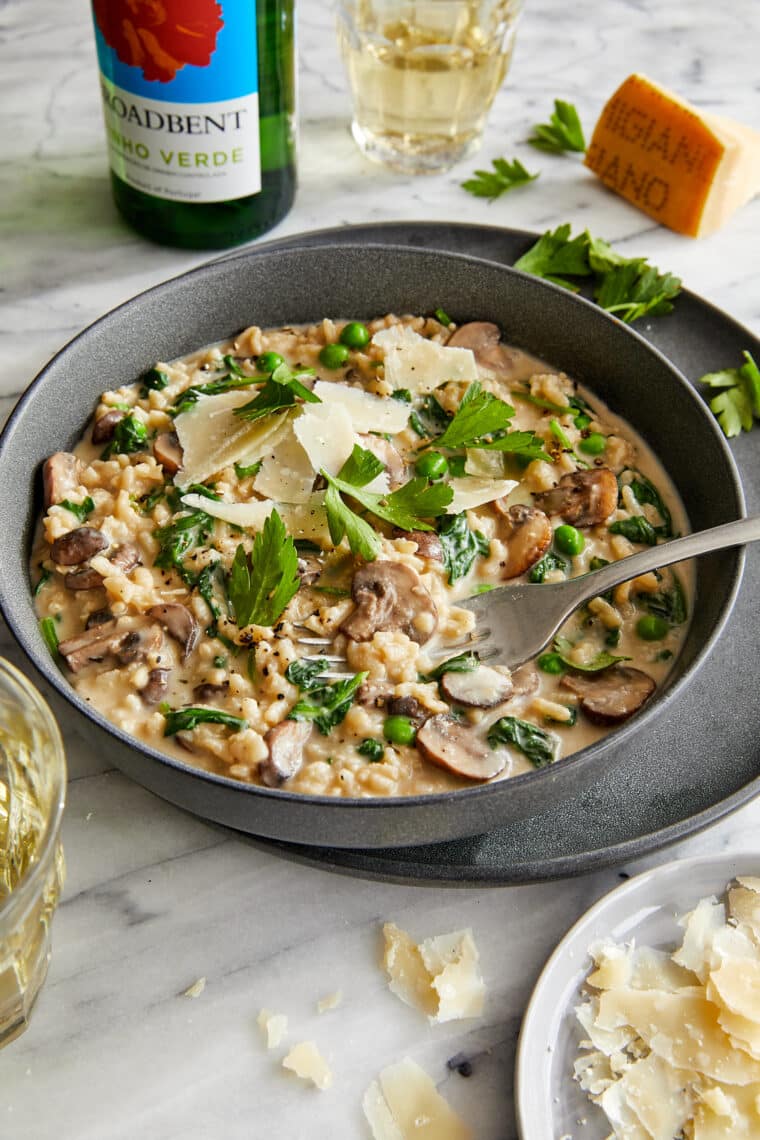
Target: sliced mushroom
(428, 542)
(167, 451)
(61, 475)
(86, 579)
(527, 533)
(525, 681)
(407, 706)
(455, 746)
(482, 688)
(374, 694)
(384, 450)
(207, 693)
(98, 617)
(125, 557)
(95, 644)
(78, 546)
(583, 498)
(138, 644)
(484, 338)
(157, 686)
(309, 570)
(285, 743)
(612, 695)
(103, 428)
(390, 596)
(179, 624)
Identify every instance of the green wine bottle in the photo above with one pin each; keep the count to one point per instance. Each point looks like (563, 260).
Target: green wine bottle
(199, 106)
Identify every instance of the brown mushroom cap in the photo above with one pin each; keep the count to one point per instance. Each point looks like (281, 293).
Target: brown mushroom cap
(157, 686)
(583, 498)
(481, 688)
(484, 338)
(167, 451)
(61, 475)
(286, 744)
(455, 746)
(384, 450)
(207, 693)
(125, 557)
(389, 596)
(428, 543)
(78, 546)
(527, 533)
(85, 579)
(103, 428)
(612, 695)
(179, 624)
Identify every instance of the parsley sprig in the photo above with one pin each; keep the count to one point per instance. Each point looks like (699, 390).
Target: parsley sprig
(409, 507)
(562, 132)
(628, 286)
(504, 176)
(260, 585)
(737, 403)
(281, 390)
(481, 421)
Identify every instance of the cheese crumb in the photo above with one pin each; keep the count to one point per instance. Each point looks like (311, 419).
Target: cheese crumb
(306, 1061)
(330, 1001)
(196, 989)
(274, 1026)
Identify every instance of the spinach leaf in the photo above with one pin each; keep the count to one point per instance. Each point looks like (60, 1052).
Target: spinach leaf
(130, 434)
(153, 380)
(182, 535)
(305, 674)
(539, 746)
(550, 561)
(461, 546)
(429, 419)
(668, 604)
(184, 720)
(79, 510)
(603, 660)
(373, 749)
(635, 529)
(646, 492)
(328, 705)
(462, 663)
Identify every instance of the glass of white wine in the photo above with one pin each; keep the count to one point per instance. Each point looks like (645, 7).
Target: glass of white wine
(423, 75)
(32, 795)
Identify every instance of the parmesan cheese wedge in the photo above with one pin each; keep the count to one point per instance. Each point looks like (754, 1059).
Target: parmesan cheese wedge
(366, 411)
(687, 169)
(404, 1104)
(420, 365)
(306, 1061)
(302, 520)
(212, 436)
(440, 976)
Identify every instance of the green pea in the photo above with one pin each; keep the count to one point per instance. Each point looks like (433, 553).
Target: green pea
(569, 540)
(432, 465)
(593, 444)
(582, 421)
(651, 627)
(334, 355)
(551, 663)
(355, 335)
(399, 730)
(268, 361)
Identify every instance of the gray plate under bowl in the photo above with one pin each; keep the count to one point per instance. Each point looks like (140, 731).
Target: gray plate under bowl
(271, 286)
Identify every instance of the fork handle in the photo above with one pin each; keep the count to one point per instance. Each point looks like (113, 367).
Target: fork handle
(701, 542)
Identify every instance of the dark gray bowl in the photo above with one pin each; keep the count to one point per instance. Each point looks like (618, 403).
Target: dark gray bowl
(299, 285)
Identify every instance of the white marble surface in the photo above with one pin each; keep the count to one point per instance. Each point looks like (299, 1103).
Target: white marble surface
(156, 899)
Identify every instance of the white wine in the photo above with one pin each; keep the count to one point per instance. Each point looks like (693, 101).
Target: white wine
(423, 84)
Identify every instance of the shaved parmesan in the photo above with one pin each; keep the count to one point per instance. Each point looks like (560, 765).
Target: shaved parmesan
(366, 412)
(441, 977)
(196, 989)
(471, 492)
(306, 1061)
(286, 474)
(420, 365)
(212, 436)
(274, 1026)
(404, 1104)
(302, 520)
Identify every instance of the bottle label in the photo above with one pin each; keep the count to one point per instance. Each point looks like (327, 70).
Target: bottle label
(179, 83)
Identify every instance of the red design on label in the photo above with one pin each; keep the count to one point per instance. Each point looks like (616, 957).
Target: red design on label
(160, 36)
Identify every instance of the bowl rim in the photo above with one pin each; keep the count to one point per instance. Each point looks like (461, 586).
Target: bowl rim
(580, 759)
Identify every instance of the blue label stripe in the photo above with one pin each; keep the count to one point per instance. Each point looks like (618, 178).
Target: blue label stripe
(233, 67)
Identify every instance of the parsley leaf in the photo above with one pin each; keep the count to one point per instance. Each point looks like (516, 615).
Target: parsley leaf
(461, 546)
(79, 510)
(343, 522)
(328, 705)
(280, 390)
(738, 403)
(562, 132)
(260, 586)
(603, 660)
(539, 746)
(555, 255)
(634, 289)
(504, 176)
(478, 414)
(130, 434)
(184, 720)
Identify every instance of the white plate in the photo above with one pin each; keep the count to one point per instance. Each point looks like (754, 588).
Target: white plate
(548, 1102)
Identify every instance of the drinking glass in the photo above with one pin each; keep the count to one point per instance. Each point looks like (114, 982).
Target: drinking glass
(32, 794)
(423, 75)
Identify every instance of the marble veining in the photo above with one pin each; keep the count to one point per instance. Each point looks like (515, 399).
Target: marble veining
(155, 898)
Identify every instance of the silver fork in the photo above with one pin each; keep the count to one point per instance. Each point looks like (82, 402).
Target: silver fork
(522, 618)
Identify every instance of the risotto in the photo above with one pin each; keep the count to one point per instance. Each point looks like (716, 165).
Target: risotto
(257, 558)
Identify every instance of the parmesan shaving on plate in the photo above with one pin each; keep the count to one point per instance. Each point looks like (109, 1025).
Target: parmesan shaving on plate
(672, 1044)
(440, 976)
